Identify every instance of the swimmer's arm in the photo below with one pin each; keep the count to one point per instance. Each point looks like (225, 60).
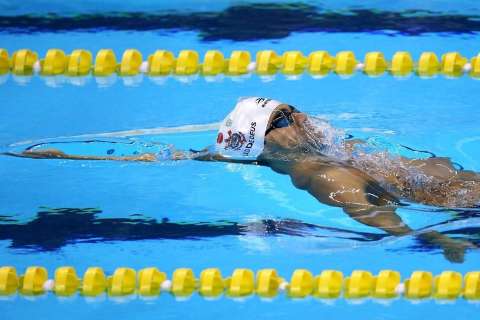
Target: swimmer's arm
(57, 154)
(52, 153)
(206, 155)
(359, 196)
(386, 219)
(219, 158)
(349, 190)
(380, 217)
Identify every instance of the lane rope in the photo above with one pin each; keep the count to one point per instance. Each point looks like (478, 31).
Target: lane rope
(266, 283)
(267, 63)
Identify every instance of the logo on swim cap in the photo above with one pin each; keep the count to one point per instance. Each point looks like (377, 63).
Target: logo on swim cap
(235, 141)
(220, 138)
(262, 102)
(243, 129)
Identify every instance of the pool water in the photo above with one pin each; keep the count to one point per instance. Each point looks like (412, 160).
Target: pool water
(200, 215)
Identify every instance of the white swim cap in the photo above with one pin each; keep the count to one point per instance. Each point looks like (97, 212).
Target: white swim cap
(242, 132)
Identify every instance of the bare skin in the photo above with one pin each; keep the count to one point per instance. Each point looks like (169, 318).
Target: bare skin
(338, 184)
(57, 154)
(360, 195)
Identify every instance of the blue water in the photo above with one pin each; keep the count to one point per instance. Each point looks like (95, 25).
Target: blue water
(440, 115)
(92, 6)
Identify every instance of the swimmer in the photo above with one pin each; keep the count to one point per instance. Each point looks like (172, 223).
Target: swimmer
(368, 186)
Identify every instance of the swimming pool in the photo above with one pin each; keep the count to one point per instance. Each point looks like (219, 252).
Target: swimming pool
(200, 215)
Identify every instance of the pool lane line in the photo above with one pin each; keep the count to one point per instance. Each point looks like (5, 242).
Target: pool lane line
(186, 66)
(267, 283)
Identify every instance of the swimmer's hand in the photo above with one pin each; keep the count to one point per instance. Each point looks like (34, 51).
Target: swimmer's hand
(45, 154)
(453, 249)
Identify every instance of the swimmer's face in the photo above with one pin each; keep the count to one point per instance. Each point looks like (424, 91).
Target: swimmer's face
(285, 129)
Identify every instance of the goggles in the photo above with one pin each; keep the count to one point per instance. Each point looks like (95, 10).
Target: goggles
(282, 119)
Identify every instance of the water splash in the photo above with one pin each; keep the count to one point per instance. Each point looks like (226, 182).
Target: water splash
(323, 138)
(408, 173)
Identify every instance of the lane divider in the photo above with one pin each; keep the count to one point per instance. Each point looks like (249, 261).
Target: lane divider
(267, 283)
(267, 62)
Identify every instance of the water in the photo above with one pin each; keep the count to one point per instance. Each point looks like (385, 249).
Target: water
(199, 215)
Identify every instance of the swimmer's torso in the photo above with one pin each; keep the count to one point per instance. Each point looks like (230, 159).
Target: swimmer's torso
(381, 180)
(434, 181)
(332, 183)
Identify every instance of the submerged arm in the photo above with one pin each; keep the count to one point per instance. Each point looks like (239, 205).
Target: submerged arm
(207, 154)
(46, 151)
(387, 220)
(367, 202)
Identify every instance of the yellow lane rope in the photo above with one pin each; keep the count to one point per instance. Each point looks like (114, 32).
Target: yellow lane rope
(80, 62)
(266, 283)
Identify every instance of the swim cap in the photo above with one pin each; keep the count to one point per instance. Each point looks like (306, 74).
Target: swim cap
(242, 132)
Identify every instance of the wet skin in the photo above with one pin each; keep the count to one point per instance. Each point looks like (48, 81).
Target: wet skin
(341, 185)
(331, 182)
